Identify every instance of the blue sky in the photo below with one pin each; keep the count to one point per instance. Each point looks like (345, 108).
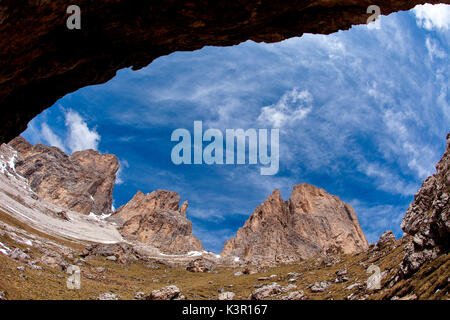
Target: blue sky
(362, 113)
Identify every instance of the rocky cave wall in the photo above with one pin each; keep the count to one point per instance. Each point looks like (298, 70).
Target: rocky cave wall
(41, 60)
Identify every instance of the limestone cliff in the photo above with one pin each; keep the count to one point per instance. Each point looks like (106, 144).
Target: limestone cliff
(427, 219)
(156, 219)
(82, 182)
(311, 222)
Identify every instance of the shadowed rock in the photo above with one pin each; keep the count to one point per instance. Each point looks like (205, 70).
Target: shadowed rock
(427, 219)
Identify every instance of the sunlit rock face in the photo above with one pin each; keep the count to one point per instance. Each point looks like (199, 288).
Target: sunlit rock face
(310, 223)
(427, 219)
(82, 182)
(157, 220)
(41, 60)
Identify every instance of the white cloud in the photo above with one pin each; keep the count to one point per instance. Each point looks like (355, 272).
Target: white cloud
(80, 137)
(433, 16)
(293, 106)
(386, 180)
(377, 218)
(51, 138)
(119, 176)
(434, 49)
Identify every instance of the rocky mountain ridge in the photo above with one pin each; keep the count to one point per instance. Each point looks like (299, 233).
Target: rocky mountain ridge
(310, 223)
(82, 182)
(157, 219)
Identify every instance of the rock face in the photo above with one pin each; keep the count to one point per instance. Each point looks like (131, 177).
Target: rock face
(42, 60)
(156, 219)
(310, 223)
(427, 219)
(82, 182)
(386, 239)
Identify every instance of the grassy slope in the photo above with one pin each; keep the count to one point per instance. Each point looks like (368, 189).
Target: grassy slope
(431, 282)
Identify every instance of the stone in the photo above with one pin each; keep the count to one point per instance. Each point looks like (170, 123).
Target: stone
(263, 278)
(289, 287)
(19, 255)
(427, 220)
(62, 215)
(296, 295)
(157, 220)
(139, 296)
(310, 223)
(200, 265)
(320, 286)
(386, 240)
(341, 276)
(226, 295)
(266, 291)
(166, 293)
(54, 260)
(82, 182)
(109, 296)
(353, 286)
(121, 252)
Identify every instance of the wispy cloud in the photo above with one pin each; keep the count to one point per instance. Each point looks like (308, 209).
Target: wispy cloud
(51, 138)
(292, 107)
(120, 174)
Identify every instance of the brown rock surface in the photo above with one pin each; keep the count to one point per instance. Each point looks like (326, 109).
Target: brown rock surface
(42, 60)
(386, 239)
(427, 219)
(82, 182)
(310, 223)
(156, 219)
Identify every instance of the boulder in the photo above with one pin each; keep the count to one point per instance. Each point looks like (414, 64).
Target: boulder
(109, 296)
(266, 291)
(226, 295)
(166, 293)
(200, 265)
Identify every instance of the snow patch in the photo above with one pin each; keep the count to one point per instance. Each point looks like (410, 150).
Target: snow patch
(4, 249)
(236, 259)
(191, 254)
(99, 217)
